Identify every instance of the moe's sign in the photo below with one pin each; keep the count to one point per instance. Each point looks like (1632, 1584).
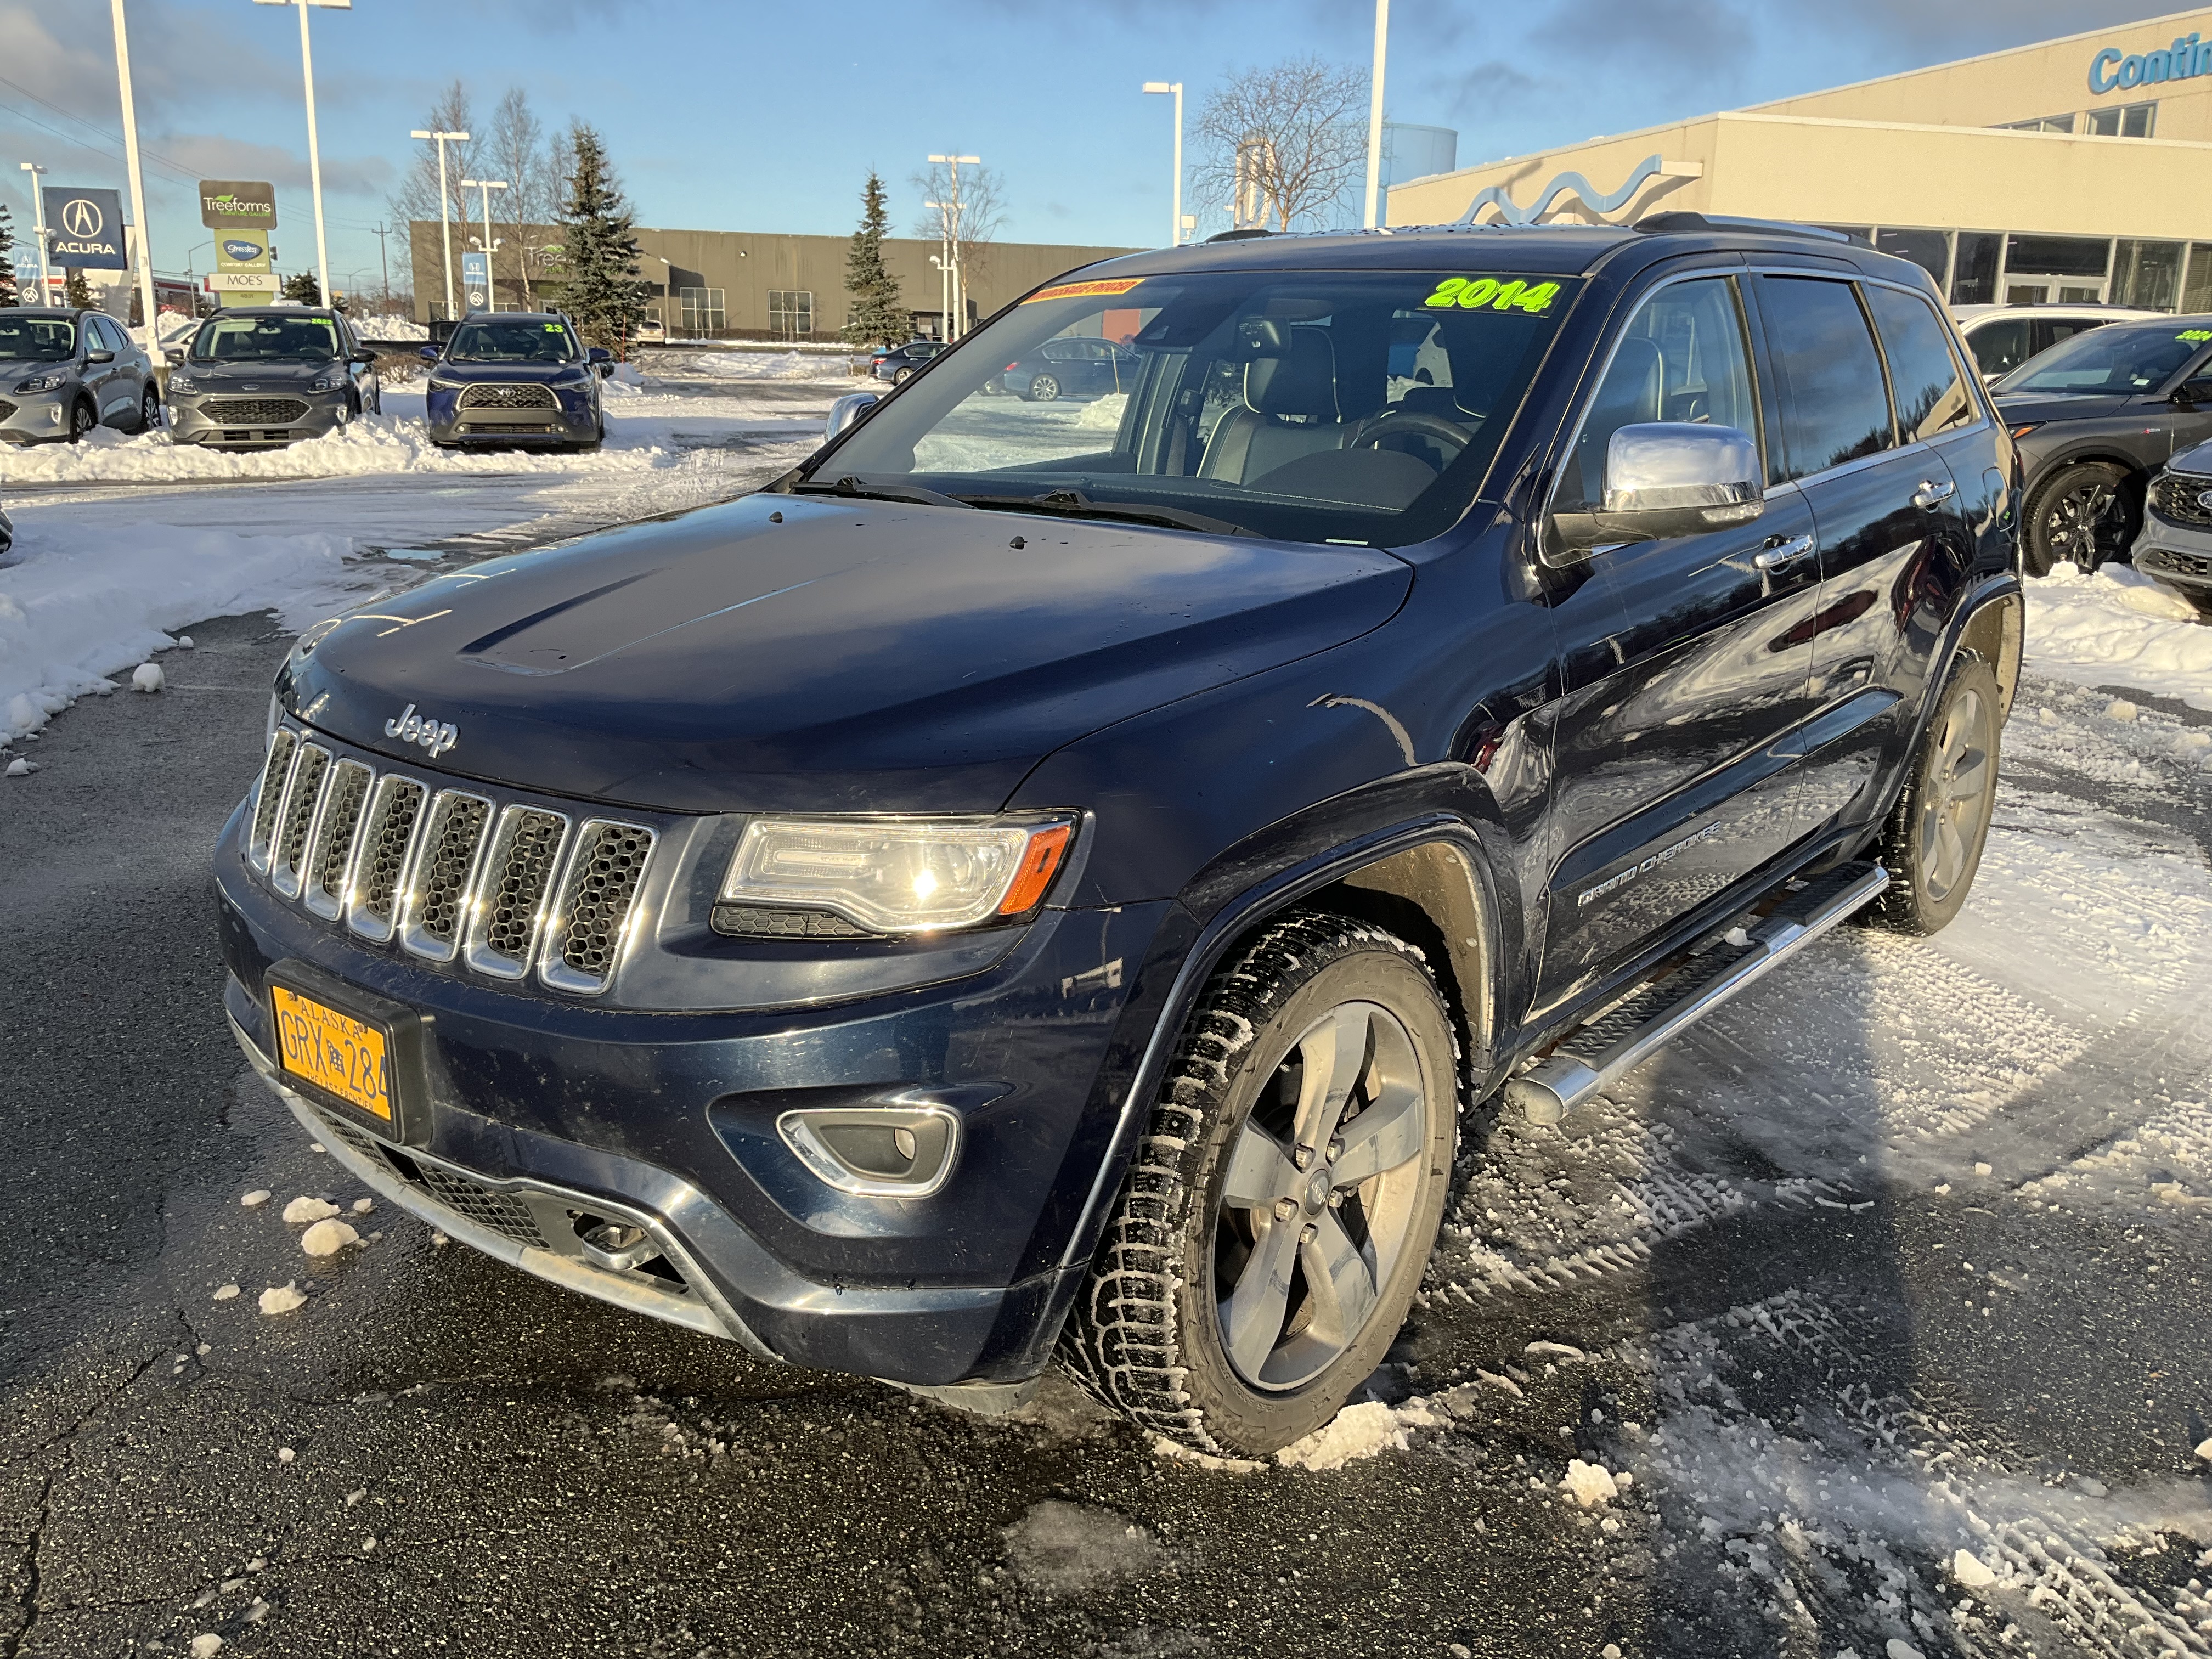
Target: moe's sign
(2114, 71)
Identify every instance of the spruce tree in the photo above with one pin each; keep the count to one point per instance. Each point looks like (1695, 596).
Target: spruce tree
(599, 285)
(75, 293)
(300, 286)
(9, 294)
(877, 314)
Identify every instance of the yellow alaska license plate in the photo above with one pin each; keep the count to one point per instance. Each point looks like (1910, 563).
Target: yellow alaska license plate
(333, 1051)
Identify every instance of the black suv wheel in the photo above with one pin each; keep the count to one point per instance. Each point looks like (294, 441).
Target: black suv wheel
(2087, 514)
(1932, 844)
(1279, 1214)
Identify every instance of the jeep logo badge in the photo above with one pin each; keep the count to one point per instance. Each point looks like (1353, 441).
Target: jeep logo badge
(436, 735)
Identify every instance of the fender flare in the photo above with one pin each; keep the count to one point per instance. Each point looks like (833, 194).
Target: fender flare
(2004, 590)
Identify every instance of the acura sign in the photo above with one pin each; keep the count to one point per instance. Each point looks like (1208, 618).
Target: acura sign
(84, 228)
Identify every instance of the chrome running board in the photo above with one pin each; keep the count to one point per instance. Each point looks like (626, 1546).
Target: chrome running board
(1592, 1056)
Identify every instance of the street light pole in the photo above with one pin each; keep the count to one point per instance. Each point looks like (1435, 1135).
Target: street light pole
(314, 149)
(39, 219)
(483, 188)
(950, 216)
(1175, 232)
(138, 178)
(1375, 109)
(444, 205)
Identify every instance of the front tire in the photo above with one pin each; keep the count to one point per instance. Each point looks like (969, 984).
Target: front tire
(900, 377)
(1043, 389)
(1278, 1215)
(149, 410)
(2084, 514)
(82, 418)
(1932, 844)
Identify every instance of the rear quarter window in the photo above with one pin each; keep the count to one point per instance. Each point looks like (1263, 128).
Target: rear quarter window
(1924, 379)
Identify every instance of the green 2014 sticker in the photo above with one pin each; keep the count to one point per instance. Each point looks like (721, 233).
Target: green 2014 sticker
(1477, 292)
(2195, 334)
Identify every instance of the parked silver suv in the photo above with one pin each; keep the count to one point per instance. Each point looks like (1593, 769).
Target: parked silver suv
(257, 377)
(64, 371)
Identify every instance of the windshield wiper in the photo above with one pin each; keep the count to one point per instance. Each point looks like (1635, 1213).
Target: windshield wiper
(1075, 504)
(851, 486)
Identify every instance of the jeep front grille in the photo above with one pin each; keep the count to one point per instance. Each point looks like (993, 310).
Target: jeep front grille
(508, 397)
(254, 411)
(448, 875)
(2174, 495)
(593, 921)
(443, 866)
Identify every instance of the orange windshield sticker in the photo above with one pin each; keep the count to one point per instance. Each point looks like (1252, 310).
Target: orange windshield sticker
(1083, 290)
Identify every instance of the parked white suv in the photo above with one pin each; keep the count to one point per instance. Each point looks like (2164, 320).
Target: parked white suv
(2002, 337)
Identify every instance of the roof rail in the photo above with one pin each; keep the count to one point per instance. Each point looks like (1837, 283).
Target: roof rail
(1682, 219)
(1239, 235)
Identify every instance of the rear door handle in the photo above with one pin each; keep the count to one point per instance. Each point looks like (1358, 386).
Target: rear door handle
(1779, 555)
(1930, 492)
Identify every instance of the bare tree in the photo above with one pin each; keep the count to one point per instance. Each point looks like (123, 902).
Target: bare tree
(963, 205)
(415, 201)
(516, 148)
(1283, 144)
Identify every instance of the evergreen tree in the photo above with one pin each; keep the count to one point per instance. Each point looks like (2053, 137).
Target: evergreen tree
(598, 284)
(300, 286)
(8, 294)
(75, 293)
(878, 313)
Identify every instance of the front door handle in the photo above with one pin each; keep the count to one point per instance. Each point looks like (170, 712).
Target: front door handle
(1780, 554)
(1930, 492)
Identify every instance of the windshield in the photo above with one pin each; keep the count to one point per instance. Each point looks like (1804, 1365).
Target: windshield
(37, 339)
(2109, 359)
(1310, 406)
(266, 340)
(511, 343)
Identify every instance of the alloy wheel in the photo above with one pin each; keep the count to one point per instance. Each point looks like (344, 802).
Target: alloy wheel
(1044, 389)
(1955, 798)
(149, 411)
(2082, 525)
(1319, 1197)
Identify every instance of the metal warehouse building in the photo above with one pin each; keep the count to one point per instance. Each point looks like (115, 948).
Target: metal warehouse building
(2069, 170)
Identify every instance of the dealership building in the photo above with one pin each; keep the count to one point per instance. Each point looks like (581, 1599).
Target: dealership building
(728, 284)
(2069, 170)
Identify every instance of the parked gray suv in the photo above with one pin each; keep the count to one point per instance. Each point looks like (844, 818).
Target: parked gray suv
(258, 377)
(64, 371)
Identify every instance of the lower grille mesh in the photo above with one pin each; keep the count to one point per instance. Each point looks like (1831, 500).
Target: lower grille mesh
(254, 411)
(503, 1212)
(2175, 496)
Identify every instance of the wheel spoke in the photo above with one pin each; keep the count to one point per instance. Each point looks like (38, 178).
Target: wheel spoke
(1260, 1171)
(1341, 1281)
(1970, 776)
(1334, 1054)
(1950, 852)
(1386, 1134)
(1252, 1315)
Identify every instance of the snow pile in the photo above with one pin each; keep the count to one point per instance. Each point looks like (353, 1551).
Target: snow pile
(147, 677)
(328, 1237)
(282, 1299)
(1591, 1485)
(91, 603)
(1359, 1431)
(309, 1209)
(375, 330)
(2116, 627)
(1105, 415)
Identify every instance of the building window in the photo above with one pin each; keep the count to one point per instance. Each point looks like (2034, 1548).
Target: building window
(2125, 121)
(702, 311)
(2040, 123)
(2146, 274)
(1974, 272)
(791, 311)
(2196, 290)
(2058, 256)
(1929, 249)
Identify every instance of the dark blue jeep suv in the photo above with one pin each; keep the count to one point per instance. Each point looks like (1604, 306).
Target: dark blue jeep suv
(1052, 880)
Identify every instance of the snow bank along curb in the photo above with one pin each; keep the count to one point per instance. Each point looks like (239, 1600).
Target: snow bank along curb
(2114, 626)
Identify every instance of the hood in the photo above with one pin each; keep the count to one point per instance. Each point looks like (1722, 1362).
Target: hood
(451, 371)
(263, 374)
(856, 656)
(2018, 406)
(13, 369)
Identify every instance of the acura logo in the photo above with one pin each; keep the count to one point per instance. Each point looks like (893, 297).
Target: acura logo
(436, 735)
(81, 219)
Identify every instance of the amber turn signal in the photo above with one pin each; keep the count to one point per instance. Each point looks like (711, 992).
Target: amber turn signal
(1040, 862)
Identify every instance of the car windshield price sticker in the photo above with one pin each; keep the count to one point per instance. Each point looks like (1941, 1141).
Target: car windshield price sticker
(1083, 290)
(1494, 294)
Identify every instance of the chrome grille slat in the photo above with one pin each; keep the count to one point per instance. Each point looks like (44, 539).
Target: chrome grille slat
(512, 899)
(381, 864)
(440, 874)
(302, 795)
(330, 855)
(591, 925)
(269, 795)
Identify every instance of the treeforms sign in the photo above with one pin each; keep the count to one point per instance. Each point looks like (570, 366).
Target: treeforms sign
(228, 204)
(84, 228)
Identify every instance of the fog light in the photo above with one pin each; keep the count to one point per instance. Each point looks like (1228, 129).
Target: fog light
(876, 1152)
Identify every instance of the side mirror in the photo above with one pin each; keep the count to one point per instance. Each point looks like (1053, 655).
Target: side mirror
(428, 354)
(605, 371)
(365, 359)
(1666, 478)
(100, 357)
(175, 355)
(849, 409)
(598, 355)
(2197, 390)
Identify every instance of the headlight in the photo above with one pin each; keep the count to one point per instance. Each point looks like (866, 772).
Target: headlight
(334, 380)
(180, 382)
(899, 875)
(45, 383)
(437, 384)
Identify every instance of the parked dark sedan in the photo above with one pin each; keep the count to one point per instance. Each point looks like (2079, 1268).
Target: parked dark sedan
(1071, 369)
(2093, 419)
(516, 377)
(899, 364)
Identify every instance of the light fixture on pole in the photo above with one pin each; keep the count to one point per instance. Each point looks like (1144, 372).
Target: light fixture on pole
(314, 149)
(39, 219)
(944, 289)
(1375, 109)
(1175, 233)
(950, 214)
(445, 204)
(483, 188)
(138, 178)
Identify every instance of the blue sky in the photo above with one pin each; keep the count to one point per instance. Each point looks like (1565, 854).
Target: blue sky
(754, 117)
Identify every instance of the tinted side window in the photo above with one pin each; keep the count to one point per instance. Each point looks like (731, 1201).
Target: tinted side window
(2050, 330)
(1681, 358)
(2000, 346)
(1834, 407)
(1923, 375)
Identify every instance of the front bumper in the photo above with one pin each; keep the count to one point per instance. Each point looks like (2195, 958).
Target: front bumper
(2179, 556)
(571, 419)
(540, 1105)
(224, 420)
(33, 417)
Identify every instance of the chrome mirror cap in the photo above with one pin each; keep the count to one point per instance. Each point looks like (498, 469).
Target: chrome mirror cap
(1668, 466)
(847, 410)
